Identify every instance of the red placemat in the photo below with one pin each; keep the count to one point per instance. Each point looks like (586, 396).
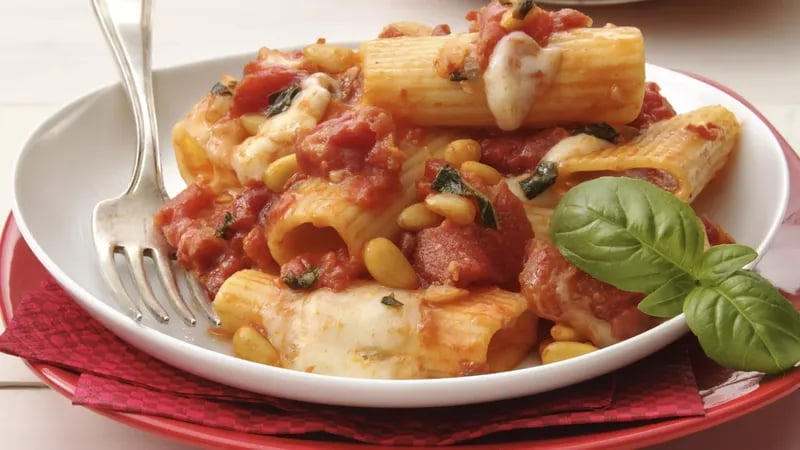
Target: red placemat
(49, 327)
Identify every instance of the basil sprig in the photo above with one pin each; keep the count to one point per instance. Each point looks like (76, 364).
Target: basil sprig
(639, 238)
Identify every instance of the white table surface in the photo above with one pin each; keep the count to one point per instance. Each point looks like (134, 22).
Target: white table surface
(52, 51)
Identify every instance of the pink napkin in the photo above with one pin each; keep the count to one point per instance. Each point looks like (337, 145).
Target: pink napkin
(49, 327)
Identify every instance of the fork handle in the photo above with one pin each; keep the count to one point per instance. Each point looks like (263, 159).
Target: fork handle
(127, 28)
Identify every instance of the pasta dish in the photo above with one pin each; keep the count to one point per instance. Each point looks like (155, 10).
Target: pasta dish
(385, 211)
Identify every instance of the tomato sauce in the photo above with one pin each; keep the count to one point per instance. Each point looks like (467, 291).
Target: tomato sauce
(472, 254)
(442, 29)
(514, 154)
(708, 131)
(715, 233)
(260, 80)
(556, 287)
(357, 148)
(655, 107)
(335, 269)
(538, 24)
(214, 239)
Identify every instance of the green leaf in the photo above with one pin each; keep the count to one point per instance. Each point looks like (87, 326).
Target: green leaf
(599, 130)
(522, 8)
(220, 89)
(390, 300)
(458, 75)
(303, 281)
(627, 233)
(745, 323)
(720, 261)
(449, 180)
(222, 230)
(667, 301)
(280, 101)
(542, 178)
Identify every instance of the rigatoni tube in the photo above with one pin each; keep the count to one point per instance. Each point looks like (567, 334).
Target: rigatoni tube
(599, 77)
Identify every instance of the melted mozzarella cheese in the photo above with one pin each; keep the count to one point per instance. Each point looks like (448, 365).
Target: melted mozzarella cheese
(276, 136)
(574, 146)
(352, 335)
(570, 147)
(517, 72)
(279, 58)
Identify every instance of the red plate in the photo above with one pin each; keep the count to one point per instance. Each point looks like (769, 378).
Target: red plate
(20, 272)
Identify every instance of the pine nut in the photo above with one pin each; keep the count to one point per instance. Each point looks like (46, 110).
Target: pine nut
(461, 150)
(417, 217)
(251, 345)
(387, 264)
(458, 209)
(279, 172)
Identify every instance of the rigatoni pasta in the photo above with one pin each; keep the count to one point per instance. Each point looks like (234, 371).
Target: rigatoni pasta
(320, 216)
(400, 334)
(676, 152)
(598, 76)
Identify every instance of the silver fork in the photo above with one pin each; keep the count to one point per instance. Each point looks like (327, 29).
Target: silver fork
(125, 224)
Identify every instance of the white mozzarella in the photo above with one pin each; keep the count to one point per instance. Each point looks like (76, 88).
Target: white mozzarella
(277, 135)
(517, 72)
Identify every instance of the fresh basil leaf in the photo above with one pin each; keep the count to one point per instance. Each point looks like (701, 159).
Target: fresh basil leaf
(303, 281)
(522, 8)
(222, 231)
(542, 178)
(722, 260)
(627, 233)
(458, 75)
(281, 100)
(745, 323)
(599, 130)
(449, 180)
(486, 212)
(389, 300)
(220, 89)
(667, 301)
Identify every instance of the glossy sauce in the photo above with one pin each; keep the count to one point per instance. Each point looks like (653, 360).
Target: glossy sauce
(356, 148)
(472, 254)
(214, 238)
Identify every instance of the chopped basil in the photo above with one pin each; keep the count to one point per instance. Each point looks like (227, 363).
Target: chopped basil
(303, 281)
(599, 130)
(220, 89)
(458, 75)
(522, 8)
(469, 71)
(389, 300)
(280, 101)
(542, 178)
(448, 180)
(222, 231)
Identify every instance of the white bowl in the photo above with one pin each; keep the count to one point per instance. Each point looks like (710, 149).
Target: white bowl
(84, 153)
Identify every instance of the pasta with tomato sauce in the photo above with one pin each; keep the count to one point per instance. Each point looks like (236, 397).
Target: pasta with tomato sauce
(383, 211)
